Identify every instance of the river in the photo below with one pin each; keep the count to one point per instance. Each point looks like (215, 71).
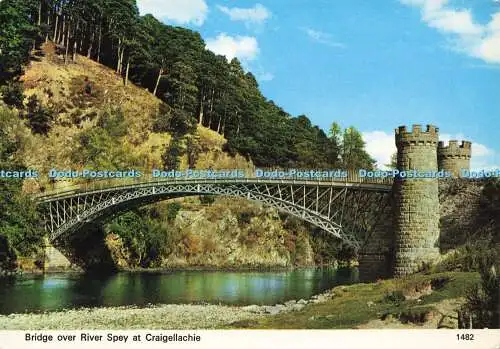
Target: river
(51, 292)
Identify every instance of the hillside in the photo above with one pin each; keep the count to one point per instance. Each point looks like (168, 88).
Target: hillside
(61, 89)
(224, 233)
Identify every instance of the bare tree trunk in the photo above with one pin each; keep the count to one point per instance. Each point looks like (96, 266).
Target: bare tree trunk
(91, 44)
(158, 81)
(48, 26)
(100, 42)
(67, 45)
(39, 22)
(118, 55)
(202, 102)
(121, 60)
(55, 27)
(219, 126)
(75, 42)
(80, 46)
(126, 71)
(62, 39)
(238, 125)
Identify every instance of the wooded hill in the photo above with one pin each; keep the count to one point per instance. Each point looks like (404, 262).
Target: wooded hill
(67, 110)
(199, 86)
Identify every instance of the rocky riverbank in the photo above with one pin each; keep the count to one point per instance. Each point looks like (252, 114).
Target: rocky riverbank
(420, 301)
(170, 316)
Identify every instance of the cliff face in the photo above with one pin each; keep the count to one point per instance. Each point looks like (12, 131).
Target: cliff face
(463, 213)
(229, 233)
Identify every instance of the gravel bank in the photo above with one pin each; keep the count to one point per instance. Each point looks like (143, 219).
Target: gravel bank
(171, 316)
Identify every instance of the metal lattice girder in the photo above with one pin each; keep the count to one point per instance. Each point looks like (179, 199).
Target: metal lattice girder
(345, 210)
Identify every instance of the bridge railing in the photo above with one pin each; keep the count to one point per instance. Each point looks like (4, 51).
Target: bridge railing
(266, 175)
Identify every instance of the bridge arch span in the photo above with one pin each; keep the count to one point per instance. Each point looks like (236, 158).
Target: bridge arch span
(340, 208)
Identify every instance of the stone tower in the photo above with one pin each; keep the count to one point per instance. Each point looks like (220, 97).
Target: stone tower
(416, 200)
(453, 157)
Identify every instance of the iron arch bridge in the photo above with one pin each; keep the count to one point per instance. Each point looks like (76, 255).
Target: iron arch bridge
(347, 210)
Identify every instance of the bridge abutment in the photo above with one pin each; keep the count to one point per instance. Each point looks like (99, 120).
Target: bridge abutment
(416, 201)
(54, 259)
(376, 256)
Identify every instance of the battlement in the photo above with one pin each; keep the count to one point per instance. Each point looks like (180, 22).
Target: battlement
(455, 150)
(417, 136)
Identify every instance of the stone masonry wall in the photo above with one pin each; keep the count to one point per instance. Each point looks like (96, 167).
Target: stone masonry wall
(454, 157)
(416, 201)
(376, 256)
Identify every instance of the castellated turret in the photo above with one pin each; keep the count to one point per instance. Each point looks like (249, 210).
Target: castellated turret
(416, 200)
(454, 157)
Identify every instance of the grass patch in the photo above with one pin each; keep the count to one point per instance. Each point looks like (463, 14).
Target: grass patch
(358, 304)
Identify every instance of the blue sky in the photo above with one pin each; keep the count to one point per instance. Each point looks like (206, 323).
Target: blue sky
(373, 64)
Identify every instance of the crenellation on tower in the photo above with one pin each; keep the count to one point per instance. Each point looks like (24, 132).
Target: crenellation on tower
(454, 157)
(417, 136)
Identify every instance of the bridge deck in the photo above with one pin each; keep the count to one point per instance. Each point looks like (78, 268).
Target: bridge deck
(380, 185)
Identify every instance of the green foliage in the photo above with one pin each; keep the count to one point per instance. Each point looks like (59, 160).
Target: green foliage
(353, 154)
(145, 239)
(470, 257)
(20, 227)
(39, 118)
(207, 199)
(395, 297)
(198, 86)
(171, 156)
(172, 120)
(113, 123)
(17, 33)
(172, 209)
(181, 123)
(161, 121)
(101, 147)
(482, 307)
(394, 161)
(12, 93)
(490, 204)
(193, 150)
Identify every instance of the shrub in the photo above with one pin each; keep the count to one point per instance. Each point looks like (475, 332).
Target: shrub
(172, 210)
(171, 156)
(39, 118)
(470, 257)
(395, 297)
(207, 199)
(13, 94)
(482, 307)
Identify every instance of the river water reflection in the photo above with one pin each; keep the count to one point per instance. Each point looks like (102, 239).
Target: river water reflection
(52, 292)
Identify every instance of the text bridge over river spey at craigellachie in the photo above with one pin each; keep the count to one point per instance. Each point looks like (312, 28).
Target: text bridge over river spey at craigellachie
(347, 208)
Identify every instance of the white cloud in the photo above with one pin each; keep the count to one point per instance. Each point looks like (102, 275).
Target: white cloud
(245, 48)
(456, 22)
(322, 38)
(477, 40)
(381, 145)
(178, 11)
(266, 77)
(256, 14)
